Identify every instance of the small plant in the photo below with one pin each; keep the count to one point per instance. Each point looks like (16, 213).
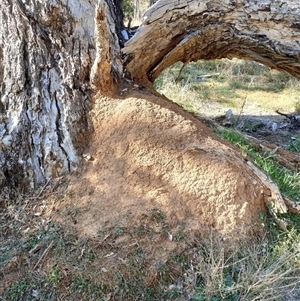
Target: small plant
(20, 289)
(252, 272)
(294, 146)
(141, 230)
(128, 9)
(54, 275)
(80, 285)
(180, 259)
(85, 287)
(287, 181)
(156, 215)
(164, 272)
(179, 236)
(119, 231)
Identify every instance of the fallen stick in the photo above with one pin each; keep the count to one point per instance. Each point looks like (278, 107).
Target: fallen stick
(292, 205)
(201, 76)
(275, 199)
(285, 158)
(43, 255)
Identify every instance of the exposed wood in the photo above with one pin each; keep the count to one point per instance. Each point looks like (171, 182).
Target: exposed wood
(53, 53)
(292, 205)
(108, 68)
(44, 255)
(180, 71)
(285, 158)
(294, 118)
(274, 200)
(265, 31)
(202, 76)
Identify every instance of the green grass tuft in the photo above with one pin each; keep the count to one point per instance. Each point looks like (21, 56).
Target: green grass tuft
(287, 181)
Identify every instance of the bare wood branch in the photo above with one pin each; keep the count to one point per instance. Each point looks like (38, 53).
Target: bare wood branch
(285, 158)
(275, 199)
(44, 255)
(173, 31)
(292, 205)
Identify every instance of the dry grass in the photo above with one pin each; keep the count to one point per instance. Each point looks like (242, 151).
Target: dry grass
(42, 259)
(231, 83)
(45, 260)
(254, 271)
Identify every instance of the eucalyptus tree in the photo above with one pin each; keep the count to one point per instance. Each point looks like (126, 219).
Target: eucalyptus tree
(55, 54)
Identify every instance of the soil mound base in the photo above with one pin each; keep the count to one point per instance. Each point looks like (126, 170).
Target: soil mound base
(148, 155)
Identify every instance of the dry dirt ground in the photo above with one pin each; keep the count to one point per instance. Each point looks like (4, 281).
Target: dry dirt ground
(256, 121)
(152, 175)
(148, 154)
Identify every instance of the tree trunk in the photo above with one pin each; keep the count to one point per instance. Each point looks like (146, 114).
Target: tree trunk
(55, 53)
(50, 52)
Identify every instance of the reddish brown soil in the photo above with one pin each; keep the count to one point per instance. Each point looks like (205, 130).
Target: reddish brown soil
(148, 154)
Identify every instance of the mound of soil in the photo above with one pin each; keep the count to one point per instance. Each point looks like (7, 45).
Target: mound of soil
(149, 155)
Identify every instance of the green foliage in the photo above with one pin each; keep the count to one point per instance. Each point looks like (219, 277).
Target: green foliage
(287, 181)
(20, 290)
(229, 82)
(128, 9)
(31, 288)
(294, 146)
(85, 286)
(54, 275)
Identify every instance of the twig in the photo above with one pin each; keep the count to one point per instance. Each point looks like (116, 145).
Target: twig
(43, 255)
(282, 114)
(241, 111)
(44, 187)
(201, 76)
(183, 66)
(293, 206)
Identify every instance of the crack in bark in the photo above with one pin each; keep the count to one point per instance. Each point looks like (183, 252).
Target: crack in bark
(48, 46)
(38, 62)
(60, 139)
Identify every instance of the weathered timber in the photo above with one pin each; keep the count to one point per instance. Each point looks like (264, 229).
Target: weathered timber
(55, 54)
(265, 31)
(52, 53)
(285, 158)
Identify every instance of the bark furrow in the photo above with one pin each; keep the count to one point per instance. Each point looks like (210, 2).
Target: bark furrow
(47, 51)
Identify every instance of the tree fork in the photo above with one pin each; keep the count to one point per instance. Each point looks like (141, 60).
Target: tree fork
(55, 55)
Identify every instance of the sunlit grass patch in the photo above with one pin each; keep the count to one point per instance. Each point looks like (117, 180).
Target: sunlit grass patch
(287, 181)
(229, 82)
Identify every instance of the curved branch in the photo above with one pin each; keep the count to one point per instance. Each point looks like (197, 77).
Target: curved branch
(265, 31)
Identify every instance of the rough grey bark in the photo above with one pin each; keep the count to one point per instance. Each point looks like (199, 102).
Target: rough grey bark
(55, 52)
(47, 53)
